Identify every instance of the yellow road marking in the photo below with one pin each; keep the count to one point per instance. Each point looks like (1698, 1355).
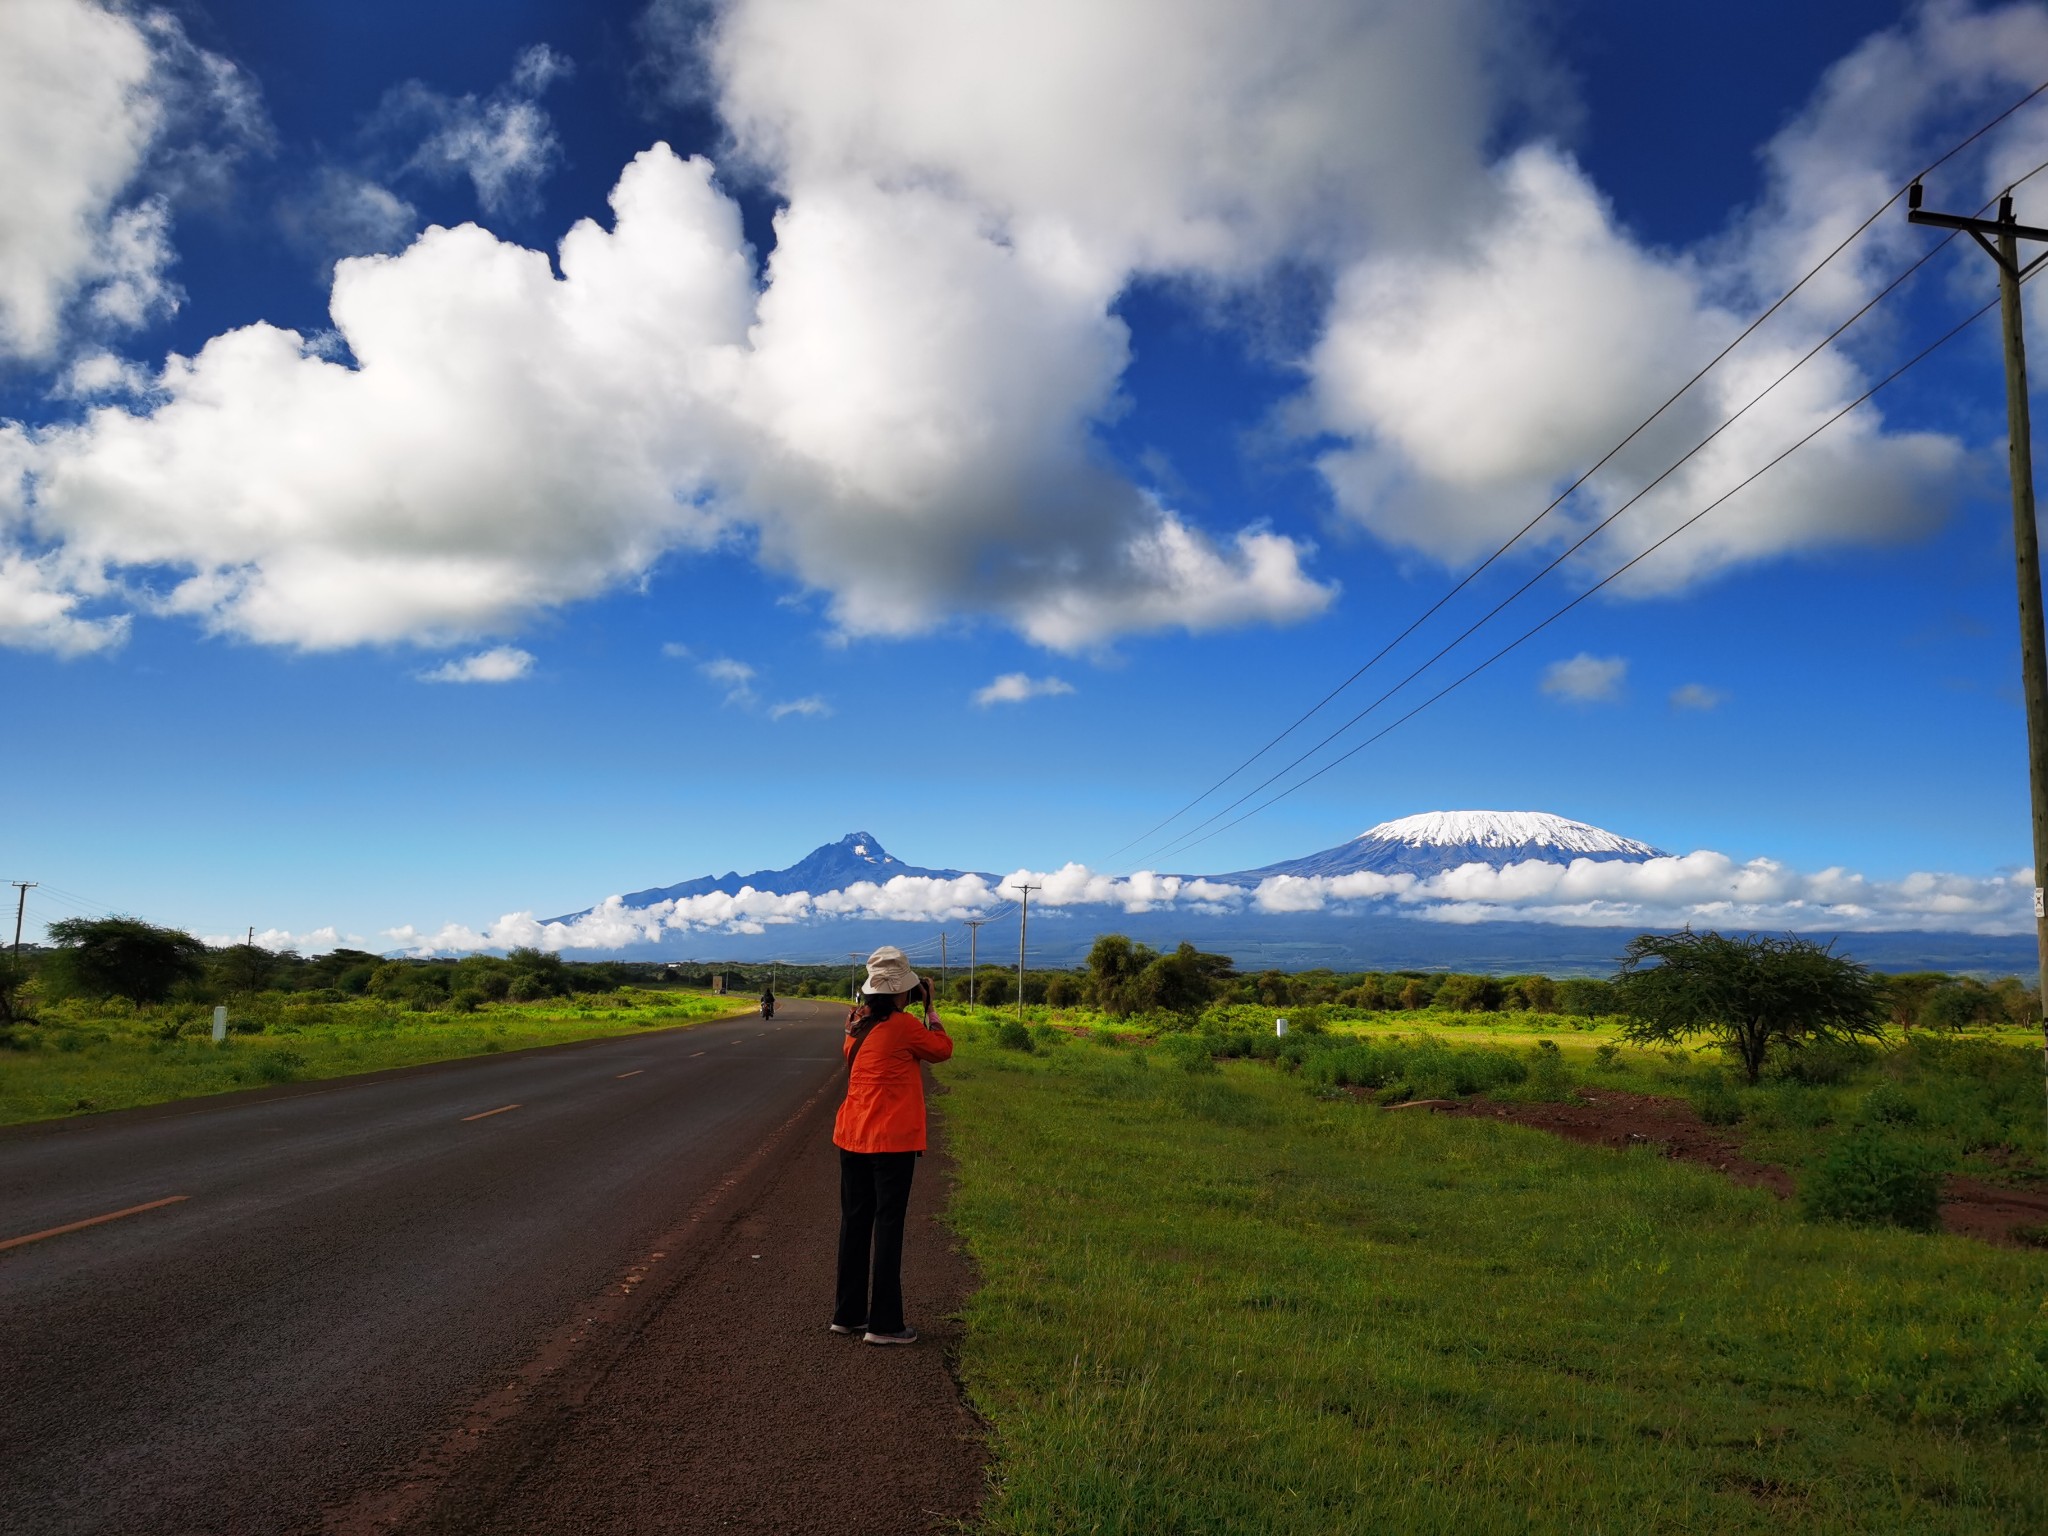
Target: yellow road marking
(634, 1073)
(490, 1112)
(91, 1221)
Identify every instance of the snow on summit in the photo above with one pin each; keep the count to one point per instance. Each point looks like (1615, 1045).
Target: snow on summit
(1436, 841)
(1534, 830)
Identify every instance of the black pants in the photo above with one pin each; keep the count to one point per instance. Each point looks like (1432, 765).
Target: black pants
(874, 1192)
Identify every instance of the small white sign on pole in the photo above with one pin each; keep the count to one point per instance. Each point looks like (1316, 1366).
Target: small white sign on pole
(220, 1023)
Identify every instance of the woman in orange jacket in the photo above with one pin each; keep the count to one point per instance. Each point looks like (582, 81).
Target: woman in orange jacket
(880, 1134)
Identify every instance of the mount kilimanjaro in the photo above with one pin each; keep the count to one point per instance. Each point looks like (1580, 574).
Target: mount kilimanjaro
(1343, 937)
(1416, 845)
(1436, 841)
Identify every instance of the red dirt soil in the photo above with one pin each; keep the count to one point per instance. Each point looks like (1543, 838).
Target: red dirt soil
(1969, 1207)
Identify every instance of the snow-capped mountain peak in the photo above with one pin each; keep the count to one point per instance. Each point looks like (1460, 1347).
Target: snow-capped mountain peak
(1537, 831)
(1436, 841)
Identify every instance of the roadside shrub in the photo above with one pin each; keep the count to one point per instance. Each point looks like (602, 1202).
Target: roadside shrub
(1044, 1036)
(1607, 1055)
(1887, 1104)
(1191, 1053)
(1423, 1069)
(1714, 1099)
(1013, 1036)
(1548, 1078)
(466, 1000)
(278, 1066)
(1311, 1019)
(1103, 1035)
(1823, 1063)
(1870, 1179)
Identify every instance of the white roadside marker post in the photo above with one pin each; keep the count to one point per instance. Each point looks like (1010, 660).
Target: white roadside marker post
(220, 1023)
(1280, 1026)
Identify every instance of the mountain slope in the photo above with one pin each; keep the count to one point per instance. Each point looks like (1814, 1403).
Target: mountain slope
(1439, 840)
(831, 867)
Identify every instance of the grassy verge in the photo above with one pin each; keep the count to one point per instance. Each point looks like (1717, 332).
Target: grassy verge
(119, 1057)
(1214, 1302)
(1967, 1103)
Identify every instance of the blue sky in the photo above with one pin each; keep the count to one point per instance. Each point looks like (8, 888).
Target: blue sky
(963, 335)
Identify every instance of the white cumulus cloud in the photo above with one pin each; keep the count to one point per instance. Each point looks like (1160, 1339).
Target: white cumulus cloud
(1704, 889)
(92, 97)
(505, 143)
(1586, 679)
(1016, 687)
(901, 408)
(1697, 696)
(503, 664)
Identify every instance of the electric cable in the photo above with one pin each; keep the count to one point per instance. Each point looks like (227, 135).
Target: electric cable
(1181, 843)
(1615, 574)
(1584, 539)
(1569, 490)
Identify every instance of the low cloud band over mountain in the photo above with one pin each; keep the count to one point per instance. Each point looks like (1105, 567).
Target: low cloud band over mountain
(1468, 870)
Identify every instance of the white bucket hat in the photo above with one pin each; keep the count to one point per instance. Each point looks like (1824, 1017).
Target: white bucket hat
(889, 973)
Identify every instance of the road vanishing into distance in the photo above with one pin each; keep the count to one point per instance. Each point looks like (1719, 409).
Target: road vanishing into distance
(332, 1275)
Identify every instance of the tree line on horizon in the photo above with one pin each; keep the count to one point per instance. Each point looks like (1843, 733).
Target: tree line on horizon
(123, 957)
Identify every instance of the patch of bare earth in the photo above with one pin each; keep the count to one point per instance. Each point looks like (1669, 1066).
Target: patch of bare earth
(1969, 1207)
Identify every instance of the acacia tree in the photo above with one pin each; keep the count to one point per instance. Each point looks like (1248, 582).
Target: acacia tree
(124, 957)
(1115, 965)
(1746, 992)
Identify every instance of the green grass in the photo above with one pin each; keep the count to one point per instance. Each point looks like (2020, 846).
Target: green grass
(86, 1058)
(1969, 1103)
(1214, 1302)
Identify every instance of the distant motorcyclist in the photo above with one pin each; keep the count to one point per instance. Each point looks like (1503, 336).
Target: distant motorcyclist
(768, 1001)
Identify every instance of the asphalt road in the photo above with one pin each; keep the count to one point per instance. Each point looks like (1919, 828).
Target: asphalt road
(346, 1269)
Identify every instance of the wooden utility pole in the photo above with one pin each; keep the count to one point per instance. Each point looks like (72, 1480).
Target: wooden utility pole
(852, 972)
(944, 974)
(1023, 926)
(2000, 238)
(21, 889)
(974, 927)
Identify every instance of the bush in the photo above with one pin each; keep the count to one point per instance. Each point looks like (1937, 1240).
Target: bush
(279, 1066)
(1427, 1069)
(1714, 1099)
(1548, 1078)
(1609, 1056)
(1191, 1053)
(1823, 1063)
(1887, 1104)
(1064, 992)
(1013, 1036)
(1870, 1179)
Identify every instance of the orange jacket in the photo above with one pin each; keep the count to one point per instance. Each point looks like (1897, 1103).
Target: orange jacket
(884, 1108)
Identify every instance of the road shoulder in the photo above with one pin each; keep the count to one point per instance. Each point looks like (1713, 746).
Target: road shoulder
(726, 1406)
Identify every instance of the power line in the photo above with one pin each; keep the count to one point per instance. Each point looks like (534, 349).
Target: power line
(1615, 574)
(1569, 490)
(1592, 533)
